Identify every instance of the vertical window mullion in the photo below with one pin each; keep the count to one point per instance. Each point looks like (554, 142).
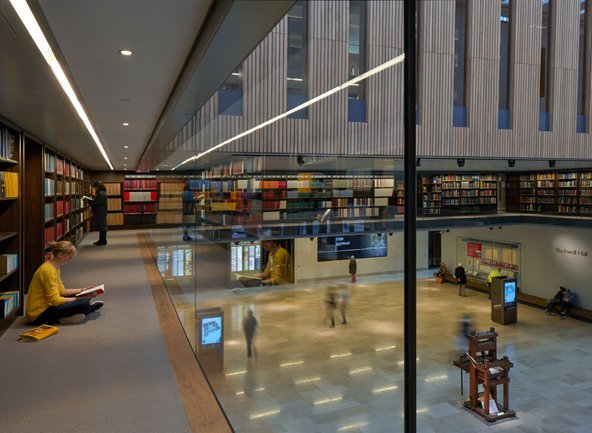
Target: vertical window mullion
(297, 59)
(583, 68)
(459, 115)
(505, 78)
(357, 60)
(230, 94)
(546, 65)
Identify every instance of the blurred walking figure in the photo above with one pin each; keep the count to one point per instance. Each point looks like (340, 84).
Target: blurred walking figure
(353, 268)
(330, 305)
(249, 327)
(344, 295)
(465, 327)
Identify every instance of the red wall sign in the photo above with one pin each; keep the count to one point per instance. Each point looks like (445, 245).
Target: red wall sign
(473, 250)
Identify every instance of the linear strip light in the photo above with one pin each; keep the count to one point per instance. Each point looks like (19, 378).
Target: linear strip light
(308, 103)
(26, 15)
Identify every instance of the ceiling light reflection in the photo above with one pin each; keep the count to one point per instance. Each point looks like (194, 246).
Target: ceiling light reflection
(328, 400)
(289, 364)
(379, 349)
(341, 355)
(312, 379)
(352, 426)
(264, 414)
(385, 389)
(308, 103)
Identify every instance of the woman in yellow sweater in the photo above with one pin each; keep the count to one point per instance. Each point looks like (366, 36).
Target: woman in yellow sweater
(48, 300)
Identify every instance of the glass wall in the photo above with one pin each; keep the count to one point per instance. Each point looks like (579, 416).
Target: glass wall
(286, 265)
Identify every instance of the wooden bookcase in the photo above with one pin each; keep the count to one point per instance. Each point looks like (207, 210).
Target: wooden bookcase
(170, 202)
(56, 184)
(564, 193)
(139, 200)
(454, 194)
(114, 204)
(11, 287)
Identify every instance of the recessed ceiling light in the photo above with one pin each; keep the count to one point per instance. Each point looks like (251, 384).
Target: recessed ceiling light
(125, 147)
(125, 157)
(125, 52)
(125, 165)
(157, 169)
(125, 123)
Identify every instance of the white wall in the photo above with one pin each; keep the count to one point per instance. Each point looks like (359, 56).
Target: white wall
(307, 267)
(551, 256)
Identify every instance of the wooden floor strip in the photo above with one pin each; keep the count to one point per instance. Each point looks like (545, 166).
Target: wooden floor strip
(202, 409)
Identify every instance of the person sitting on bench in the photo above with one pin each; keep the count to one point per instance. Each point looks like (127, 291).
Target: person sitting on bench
(556, 300)
(566, 302)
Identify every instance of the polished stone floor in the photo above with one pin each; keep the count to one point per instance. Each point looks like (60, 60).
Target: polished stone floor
(308, 377)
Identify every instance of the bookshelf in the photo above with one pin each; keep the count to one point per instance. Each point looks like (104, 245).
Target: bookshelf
(56, 184)
(139, 200)
(546, 184)
(170, 202)
(432, 195)
(586, 193)
(114, 204)
(11, 292)
(568, 193)
(564, 193)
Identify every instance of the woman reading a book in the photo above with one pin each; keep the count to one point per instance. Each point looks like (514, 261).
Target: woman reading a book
(48, 301)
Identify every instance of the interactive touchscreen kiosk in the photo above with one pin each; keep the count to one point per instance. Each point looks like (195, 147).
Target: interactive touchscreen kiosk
(210, 338)
(504, 308)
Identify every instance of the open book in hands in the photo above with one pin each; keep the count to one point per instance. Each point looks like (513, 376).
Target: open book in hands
(85, 197)
(94, 290)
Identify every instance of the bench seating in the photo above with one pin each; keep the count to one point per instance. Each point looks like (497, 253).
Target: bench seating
(524, 298)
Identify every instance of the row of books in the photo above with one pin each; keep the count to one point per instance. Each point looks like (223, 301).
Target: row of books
(113, 188)
(114, 204)
(115, 219)
(62, 167)
(9, 301)
(7, 143)
(169, 218)
(135, 209)
(139, 196)
(8, 263)
(9, 184)
(139, 184)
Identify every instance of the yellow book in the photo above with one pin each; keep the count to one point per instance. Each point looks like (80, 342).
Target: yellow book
(38, 333)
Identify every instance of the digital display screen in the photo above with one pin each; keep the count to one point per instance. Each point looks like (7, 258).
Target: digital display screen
(509, 292)
(343, 247)
(211, 330)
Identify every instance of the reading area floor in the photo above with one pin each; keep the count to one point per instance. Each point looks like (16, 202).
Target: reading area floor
(112, 374)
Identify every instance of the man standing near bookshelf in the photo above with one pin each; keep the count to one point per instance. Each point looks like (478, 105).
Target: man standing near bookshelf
(98, 205)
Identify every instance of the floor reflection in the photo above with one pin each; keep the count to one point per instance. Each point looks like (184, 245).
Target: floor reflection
(308, 377)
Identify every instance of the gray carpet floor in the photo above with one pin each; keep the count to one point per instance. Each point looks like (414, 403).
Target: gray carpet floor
(109, 374)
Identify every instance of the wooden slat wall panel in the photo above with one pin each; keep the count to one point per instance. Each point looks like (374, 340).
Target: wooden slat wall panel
(327, 130)
(484, 29)
(434, 134)
(565, 80)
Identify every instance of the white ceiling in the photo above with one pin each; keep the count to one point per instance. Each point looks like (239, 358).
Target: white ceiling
(183, 50)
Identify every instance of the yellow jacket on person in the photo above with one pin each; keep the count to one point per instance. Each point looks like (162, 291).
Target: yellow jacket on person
(45, 290)
(493, 274)
(278, 267)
